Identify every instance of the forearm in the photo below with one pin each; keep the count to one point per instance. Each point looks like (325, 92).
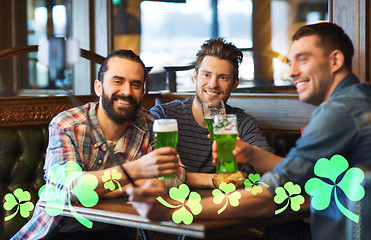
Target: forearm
(199, 180)
(262, 161)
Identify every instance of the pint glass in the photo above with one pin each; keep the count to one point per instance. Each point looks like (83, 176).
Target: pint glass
(165, 134)
(225, 133)
(211, 109)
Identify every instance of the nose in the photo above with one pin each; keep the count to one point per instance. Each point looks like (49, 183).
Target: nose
(125, 89)
(294, 70)
(213, 82)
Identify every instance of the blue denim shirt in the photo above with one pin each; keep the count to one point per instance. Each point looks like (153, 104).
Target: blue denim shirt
(341, 125)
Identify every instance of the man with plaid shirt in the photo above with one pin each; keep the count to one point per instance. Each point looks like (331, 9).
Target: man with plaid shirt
(93, 136)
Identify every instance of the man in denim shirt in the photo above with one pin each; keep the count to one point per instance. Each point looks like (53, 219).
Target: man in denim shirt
(320, 60)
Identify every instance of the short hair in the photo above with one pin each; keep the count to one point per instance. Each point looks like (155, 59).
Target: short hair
(121, 53)
(221, 49)
(332, 38)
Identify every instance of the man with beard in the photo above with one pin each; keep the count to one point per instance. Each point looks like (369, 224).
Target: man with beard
(97, 137)
(215, 76)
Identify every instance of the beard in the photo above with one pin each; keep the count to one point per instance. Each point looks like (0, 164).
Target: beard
(123, 114)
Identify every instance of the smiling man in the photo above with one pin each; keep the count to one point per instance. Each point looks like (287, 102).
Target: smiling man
(320, 60)
(215, 77)
(98, 137)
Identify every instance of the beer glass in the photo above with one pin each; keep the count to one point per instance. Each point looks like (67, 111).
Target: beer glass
(165, 134)
(225, 133)
(211, 109)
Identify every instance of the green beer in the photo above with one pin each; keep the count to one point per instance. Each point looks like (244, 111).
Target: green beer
(225, 134)
(226, 160)
(165, 134)
(209, 123)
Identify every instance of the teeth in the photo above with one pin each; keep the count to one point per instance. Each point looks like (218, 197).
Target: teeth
(300, 84)
(212, 93)
(123, 101)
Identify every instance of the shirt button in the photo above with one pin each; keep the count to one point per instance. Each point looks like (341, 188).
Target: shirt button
(100, 161)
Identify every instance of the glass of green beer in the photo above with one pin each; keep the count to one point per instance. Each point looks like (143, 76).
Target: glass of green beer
(211, 109)
(225, 133)
(165, 134)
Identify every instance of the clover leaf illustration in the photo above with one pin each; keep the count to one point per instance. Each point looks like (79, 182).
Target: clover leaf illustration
(63, 183)
(109, 181)
(180, 194)
(230, 195)
(321, 191)
(291, 192)
(21, 199)
(251, 183)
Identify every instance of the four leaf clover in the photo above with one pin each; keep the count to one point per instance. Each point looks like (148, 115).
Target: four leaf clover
(64, 182)
(251, 183)
(291, 192)
(108, 180)
(21, 199)
(350, 184)
(230, 195)
(180, 194)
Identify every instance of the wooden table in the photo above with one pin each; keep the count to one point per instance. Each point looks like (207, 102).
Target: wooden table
(120, 212)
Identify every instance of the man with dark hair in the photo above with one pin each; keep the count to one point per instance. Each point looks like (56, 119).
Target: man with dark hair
(215, 77)
(97, 138)
(320, 66)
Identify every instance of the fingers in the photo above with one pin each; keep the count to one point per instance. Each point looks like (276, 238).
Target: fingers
(214, 152)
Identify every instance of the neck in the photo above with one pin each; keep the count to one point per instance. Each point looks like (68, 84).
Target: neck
(112, 131)
(338, 77)
(197, 112)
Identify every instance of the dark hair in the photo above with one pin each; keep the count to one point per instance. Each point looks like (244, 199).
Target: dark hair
(332, 38)
(221, 49)
(122, 53)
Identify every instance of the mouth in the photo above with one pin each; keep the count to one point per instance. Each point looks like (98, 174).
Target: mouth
(124, 102)
(301, 85)
(212, 93)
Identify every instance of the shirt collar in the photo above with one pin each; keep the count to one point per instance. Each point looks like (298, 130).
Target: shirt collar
(346, 82)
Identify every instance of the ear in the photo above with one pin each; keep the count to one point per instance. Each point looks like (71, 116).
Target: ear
(195, 76)
(98, 87)
(235, 84)
(337, 60)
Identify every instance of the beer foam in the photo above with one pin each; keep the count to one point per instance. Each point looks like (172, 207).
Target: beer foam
(165, 126)
(225, 132)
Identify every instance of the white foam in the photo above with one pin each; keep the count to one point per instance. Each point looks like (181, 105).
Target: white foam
(163, 125)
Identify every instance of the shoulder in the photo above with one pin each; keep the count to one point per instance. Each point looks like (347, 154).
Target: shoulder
(172, 109)
(74, 116)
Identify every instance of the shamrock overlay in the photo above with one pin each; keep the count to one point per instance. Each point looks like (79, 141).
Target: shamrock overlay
(180, 194)
(64, 182)
(350, 184)
(109, 178)
(230, 195)
(21, 199)
(251, 184)
(291, 193)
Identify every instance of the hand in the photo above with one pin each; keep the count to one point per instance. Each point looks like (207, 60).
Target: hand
(214, 152)
(242, 151)
(160, 162)
(144, 200)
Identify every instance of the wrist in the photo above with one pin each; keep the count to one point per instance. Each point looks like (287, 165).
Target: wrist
(131, 170)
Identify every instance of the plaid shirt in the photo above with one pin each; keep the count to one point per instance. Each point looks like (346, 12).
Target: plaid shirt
(75, 135)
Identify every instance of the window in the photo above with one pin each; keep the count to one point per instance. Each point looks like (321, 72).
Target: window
(172, 33)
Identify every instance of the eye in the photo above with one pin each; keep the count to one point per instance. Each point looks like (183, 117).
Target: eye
(302, 59)
(116, 81)
(205, 75)
(137, 84)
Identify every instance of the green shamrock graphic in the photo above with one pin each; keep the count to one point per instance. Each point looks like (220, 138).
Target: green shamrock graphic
(291, 192)
(180, 194)
(230, 195)
(65, 181)
(21, 199)
(350, 184)
(251, 183)
(108, 180)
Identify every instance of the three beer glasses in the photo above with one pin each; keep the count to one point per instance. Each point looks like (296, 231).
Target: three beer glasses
(165, 134)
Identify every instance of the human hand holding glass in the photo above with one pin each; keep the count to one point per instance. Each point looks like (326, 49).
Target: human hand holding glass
(211, 109)
(165, 134)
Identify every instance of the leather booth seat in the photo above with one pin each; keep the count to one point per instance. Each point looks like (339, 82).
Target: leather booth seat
(22, 154)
